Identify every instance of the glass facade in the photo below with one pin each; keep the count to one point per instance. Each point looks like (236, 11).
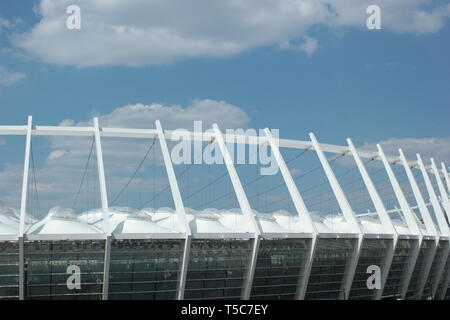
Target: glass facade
(145, 269)
(435, 269)
(399, 268)
(46, 265)
(331, 260)
(279, 268)
(441, 290)
(217, 268)
(9, 270)
(150, 269)
(373, 252)
(426, 249)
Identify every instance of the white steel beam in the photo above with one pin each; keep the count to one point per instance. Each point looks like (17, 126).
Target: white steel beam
(425, 213)
(105, 207)
(237, 185)
(26, 169)
(184, 267)
(175, 189)
(194, 136)
(250, 272)
(245, 207)
(443, 193)
(382, 213)
(21, 268)
(106, 267)
(373, 193)
(335, 186)
(446, 176)
(399, 194)
(101, 178)
(408, 215)
(347, 212)
(179, 207)
(23, 204)
(438, 213)
(297, 199)
(302, 211)
(443, 226)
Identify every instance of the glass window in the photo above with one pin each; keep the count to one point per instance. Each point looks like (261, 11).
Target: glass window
(373, 252)
(329, 267)
(279, 266)
(145, 269)
(46, 264)
(9, 270)
(438, 260)
(398, 269)
(217, 269)
(419, 269)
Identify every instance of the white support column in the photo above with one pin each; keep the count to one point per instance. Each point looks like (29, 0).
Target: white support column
(184, 267)
(446, 176)
(179, 207)
(443, 193)
(248, 282)
(175, 189)
(26, 167)
(424, 212)
(101, 178)
(105, 208)
(106, 267)
(237, 185)
(382, 213)
(23, 204)
(297, 199)
(245, 207)
(404, 206)
(373, 193)
(443, 226)
(302, 211)
(347, 212)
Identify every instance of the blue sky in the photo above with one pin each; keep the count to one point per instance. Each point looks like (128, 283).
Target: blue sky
(370, 85)
(388, 85)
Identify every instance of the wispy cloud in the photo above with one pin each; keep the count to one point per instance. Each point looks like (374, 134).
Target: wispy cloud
(438, 148)
(9, 77)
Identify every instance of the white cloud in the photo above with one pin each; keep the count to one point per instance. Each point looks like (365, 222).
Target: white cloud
(9, 78)
(148, 32)
(438, 148)
(176, 116)
(309, 45)
(64, 159)
(56, 154)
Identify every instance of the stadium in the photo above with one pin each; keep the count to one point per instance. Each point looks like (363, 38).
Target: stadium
(145, 228)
